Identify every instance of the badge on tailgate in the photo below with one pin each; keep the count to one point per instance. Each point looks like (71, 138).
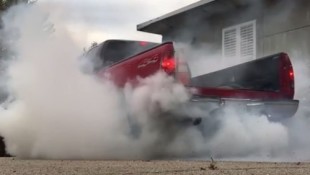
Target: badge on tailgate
(145, 62)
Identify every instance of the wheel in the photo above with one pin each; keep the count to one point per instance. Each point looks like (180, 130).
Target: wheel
(2, 148)
(211, 124)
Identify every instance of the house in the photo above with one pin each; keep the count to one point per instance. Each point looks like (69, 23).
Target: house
(233, 31)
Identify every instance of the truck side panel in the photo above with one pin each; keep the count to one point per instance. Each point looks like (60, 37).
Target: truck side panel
(142, 65)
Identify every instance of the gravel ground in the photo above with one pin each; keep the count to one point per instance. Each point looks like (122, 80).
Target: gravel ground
(76, 167)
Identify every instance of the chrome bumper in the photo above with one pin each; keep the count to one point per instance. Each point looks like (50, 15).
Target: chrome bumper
(274, 110)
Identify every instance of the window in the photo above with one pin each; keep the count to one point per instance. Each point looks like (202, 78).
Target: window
(239, 41)
(117, 50)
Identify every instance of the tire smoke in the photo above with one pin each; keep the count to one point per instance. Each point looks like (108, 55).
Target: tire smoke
(57, 112)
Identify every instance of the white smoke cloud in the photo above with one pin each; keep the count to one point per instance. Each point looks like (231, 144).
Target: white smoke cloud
(246, 137)
(60, 113)
(106, 19)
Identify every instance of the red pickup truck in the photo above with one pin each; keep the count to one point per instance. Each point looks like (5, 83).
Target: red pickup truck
(264, 86)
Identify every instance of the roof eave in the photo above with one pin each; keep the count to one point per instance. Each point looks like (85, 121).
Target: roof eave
(143, 26)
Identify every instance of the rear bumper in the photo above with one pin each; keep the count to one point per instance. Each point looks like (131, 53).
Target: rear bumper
(274, 110)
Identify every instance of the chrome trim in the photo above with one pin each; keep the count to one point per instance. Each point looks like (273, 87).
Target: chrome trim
(272, 108)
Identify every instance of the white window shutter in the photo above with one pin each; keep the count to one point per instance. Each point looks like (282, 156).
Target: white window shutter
(239, 42)
(230, 43)
(247, 42)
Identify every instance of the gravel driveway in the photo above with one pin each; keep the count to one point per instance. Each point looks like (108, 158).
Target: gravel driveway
(76, 167)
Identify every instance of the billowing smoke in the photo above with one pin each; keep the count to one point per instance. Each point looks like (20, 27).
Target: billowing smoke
(286, 140)
(57, 112)
(238, 135)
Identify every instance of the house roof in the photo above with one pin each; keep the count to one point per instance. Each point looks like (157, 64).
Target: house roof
(145, 26)
(190, 14)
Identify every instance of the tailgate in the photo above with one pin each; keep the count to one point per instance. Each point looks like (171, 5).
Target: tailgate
(263, 86)
(269, 78)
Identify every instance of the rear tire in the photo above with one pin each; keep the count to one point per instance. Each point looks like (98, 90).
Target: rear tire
(210, 125)
(2, 148)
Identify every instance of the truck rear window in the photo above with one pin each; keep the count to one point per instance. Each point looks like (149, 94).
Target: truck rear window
(114, 51)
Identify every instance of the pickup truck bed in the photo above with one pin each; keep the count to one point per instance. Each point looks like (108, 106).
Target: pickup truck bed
(264, 86)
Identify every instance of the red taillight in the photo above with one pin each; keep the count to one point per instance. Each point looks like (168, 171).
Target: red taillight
(176, 67)
(291, 74)
(287, 77)
(291, 78)
(168, 65)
